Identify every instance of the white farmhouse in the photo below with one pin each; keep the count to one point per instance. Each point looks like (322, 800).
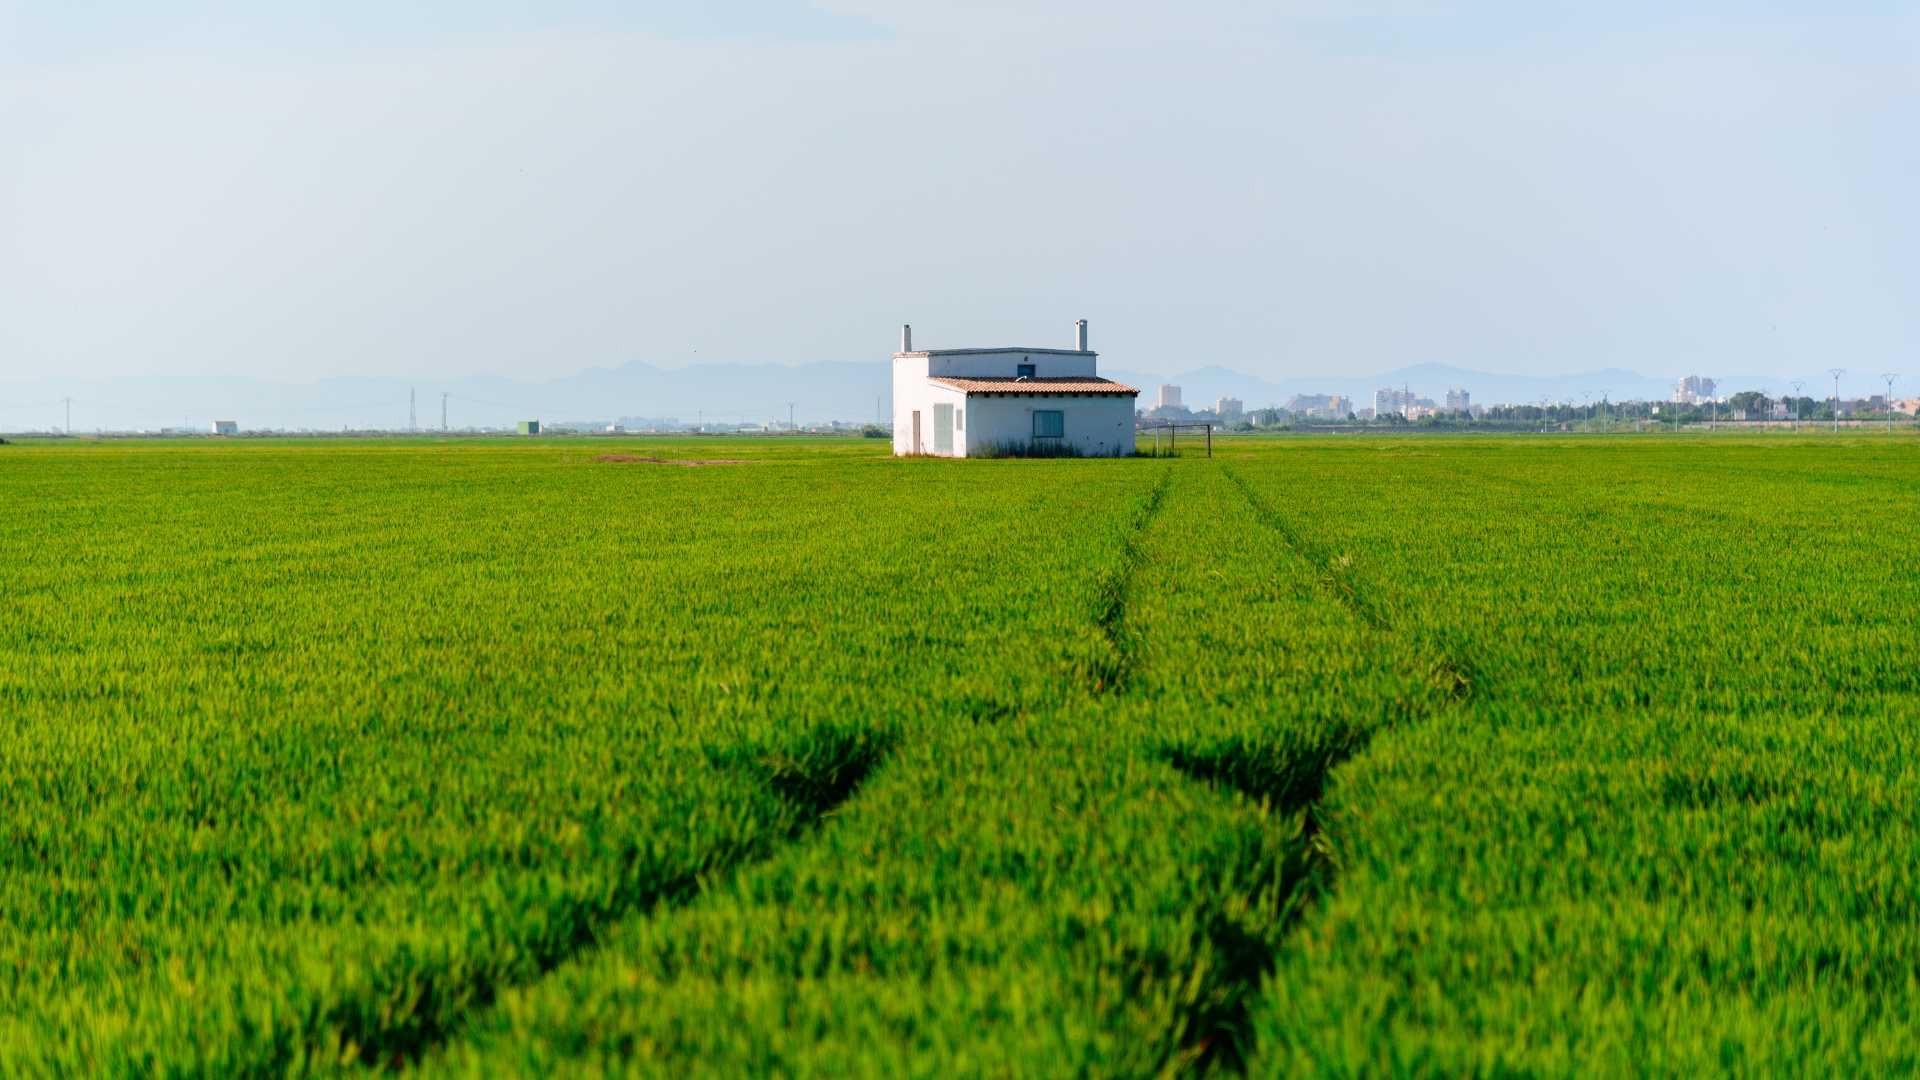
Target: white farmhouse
(970, 402)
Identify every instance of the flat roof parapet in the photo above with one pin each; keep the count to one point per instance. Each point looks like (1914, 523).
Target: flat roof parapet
(998, 349)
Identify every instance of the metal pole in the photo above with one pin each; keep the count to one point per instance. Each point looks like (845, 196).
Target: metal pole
(69, 402)
(1889, 376)
(1836, 373)
(1797, 384)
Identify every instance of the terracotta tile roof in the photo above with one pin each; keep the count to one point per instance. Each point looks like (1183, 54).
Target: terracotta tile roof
(1085, 384)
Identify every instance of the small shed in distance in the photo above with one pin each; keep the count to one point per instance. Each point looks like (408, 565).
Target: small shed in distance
(226, 427)
(529, 427)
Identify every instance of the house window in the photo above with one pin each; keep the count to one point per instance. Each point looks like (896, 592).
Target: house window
(1024, 370)
(1049, 424)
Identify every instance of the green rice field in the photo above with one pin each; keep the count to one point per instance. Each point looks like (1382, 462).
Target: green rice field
(1324, 756)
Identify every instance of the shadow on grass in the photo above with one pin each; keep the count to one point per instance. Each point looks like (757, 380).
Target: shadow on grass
(418, 1002)
(1283, 871)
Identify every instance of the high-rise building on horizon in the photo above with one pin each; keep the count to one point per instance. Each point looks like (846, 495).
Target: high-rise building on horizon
(1389, 402)
(1694, 390)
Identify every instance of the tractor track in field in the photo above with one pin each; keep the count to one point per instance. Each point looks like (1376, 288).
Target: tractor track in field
(1455, 673)
(1244, 933)
(1288, 783)
(812, 786)
(1247, 932)
(1110, 672)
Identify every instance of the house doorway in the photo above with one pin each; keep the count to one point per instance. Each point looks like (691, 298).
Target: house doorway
(916, 432)
(943, 429)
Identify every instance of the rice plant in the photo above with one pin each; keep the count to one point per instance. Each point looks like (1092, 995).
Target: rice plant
(1324, 755)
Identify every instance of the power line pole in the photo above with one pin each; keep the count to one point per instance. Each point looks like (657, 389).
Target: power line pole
(789, 416)
(1797, 384)
(69, 402)
(1889, 376)
(443, 410)
(1836, 373)
(413, 423)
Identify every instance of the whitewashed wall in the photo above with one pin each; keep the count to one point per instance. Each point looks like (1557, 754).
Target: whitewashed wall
(1098, 425)
(1005, 363)
(911, 391)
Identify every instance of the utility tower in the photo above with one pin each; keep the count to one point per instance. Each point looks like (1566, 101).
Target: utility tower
(413, 423)
(443, 410)
(1797, 384)
(1836, 373)
(69, 428)
(789, 416)
(1889, 376)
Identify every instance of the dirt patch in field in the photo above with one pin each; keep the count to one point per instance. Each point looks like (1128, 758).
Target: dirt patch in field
(670, 461)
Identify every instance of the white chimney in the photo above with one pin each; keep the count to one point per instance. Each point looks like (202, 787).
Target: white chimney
(906, 337)
(1080, 335)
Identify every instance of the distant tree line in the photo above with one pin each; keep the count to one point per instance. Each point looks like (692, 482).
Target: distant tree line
(1747, 404)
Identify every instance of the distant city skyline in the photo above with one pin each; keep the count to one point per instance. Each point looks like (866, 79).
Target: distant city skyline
(296, 194)
(723, 394)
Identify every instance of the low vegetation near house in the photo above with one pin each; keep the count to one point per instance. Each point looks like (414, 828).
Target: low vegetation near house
(1453, 756)
(1032, 449)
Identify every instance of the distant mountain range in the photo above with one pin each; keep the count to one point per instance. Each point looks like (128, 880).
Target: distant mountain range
(716, 393)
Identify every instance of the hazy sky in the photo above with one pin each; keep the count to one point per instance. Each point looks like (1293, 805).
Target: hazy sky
(480, 186)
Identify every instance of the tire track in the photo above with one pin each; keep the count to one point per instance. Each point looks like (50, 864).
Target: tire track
(1294, 869)
(1287, 778)
(1112, 666)
(1447, 665)
(809, 778)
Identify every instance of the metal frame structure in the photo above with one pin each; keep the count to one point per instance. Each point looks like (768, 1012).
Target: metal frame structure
(1172, 429)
